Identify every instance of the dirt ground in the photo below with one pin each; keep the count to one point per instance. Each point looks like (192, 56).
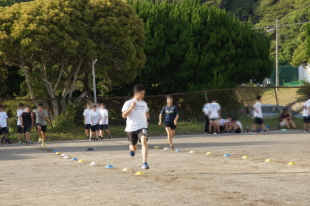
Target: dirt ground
(31, 175)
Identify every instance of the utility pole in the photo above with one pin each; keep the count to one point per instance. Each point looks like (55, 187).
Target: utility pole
(277, 53)
(94, 79)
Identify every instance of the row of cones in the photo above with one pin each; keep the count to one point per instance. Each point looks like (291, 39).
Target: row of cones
(225, 155)
(126, 169)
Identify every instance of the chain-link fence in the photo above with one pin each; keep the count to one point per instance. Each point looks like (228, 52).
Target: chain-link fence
(68, 113)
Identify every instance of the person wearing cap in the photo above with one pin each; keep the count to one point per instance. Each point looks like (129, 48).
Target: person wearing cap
(41, 122)
(4, 126)
(19, 112)
(95, 117)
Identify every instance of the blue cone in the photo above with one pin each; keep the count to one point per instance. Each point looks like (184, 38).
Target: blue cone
(90, 149)
(55, 151)
(226, 155)
(178, 150)
(109, 166)
(74, 158)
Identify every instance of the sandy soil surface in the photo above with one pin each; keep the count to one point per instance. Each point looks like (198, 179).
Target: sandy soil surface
(31, 175)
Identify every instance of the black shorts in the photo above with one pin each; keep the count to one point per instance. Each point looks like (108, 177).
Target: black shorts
(43, 127)
(258, 121)
(135, 136)
(213, 120)
(87, 126)
(4, 130)
(103, 126)
(306, 119)
(27, 128)
(19, 129)
(95, 128)
(171, 125)
(238, 130)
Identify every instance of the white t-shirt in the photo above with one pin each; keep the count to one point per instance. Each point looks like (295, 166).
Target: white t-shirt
(95, 117)
(104, 113)
(19, 113)
(3, 118)
(306, 110)
(258, 107)
(214, 109)
(205, 109)
(137, 118)
(222, 122)
(86, 114)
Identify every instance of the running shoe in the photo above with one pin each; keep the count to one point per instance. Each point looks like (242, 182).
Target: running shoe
(132, 153)
(306, 131)
(43, 144)
(110, 136)
(254, 132)
(89, 139)
(265, 132)
(172, 148)
(40, 140)
(145, 166)
(30, 142)
(20, 143)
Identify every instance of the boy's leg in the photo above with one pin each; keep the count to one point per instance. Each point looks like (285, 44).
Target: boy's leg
(293, 123)
(207, 124)
(144, 148)
(169, 135)
(210, 126)
(108, 131)
(287, 124)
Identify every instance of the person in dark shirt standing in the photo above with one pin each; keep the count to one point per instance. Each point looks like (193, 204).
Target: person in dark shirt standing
(171, 119)
(26, 122)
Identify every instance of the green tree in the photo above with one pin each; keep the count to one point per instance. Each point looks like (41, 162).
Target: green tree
(191, 46)
(54, 42)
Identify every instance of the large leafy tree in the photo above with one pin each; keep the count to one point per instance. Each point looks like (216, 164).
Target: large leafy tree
(192, 46)
(54, 42)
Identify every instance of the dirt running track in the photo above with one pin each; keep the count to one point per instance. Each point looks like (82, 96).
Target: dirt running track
(31, 175)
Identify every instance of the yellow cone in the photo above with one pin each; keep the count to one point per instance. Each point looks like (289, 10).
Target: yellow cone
(209, 153)
(291, 163)
(81, 161)
(126, 169)
(268, 160)
(139, 173)
(58, 153)
(157, 147)
(245, 157)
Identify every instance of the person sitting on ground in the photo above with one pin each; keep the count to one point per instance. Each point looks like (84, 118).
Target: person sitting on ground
(236, 126)
(287, 119)
(228, 124)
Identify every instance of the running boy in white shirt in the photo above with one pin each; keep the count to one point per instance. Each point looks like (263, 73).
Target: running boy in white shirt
(214, 116)
(87, 120)
(95, 117)
(137, 112)
(104, 123)
(4, 126)
(19, 112)
(258, 115)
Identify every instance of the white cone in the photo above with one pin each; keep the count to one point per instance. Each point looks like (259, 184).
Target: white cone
(63, 155)
(192, 152)
(67, 157)
(166, 148)
(93, 163)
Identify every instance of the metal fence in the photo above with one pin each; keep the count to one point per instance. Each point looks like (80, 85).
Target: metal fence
(235, 102)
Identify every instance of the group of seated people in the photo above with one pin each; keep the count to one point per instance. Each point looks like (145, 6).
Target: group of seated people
(229, 125)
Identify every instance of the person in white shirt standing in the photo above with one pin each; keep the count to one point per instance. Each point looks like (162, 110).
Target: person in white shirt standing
(95, 117)
(4, 126)
(137, 112)
(306, 114)
(19, 113)
(258, 115)
(104, 123)
(205, 110)
(87, 120)
(214, 115)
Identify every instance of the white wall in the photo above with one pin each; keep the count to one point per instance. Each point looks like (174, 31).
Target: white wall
(304, 73)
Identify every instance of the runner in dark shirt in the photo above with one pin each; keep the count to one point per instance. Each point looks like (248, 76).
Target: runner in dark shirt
(27, 121)
(171, 119)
